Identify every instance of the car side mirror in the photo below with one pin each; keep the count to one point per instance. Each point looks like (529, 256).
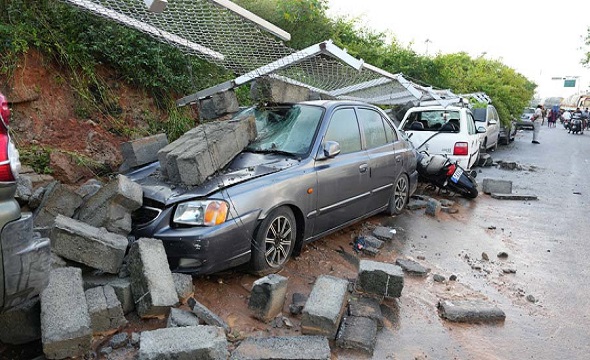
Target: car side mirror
(493, 122)
(331, 149)
(481, 130)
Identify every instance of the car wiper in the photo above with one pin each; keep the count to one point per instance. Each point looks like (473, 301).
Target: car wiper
(271, 151)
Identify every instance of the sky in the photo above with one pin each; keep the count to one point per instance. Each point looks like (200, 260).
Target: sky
(537, 41)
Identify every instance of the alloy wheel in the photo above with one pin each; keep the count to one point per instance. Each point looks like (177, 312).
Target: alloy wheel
(278, 241)
(401, 193)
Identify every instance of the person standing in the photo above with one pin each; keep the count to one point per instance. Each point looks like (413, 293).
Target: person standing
(537, 121)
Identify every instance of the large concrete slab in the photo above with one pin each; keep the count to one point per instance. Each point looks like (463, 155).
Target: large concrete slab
(268, 296)
(65, 321)
(21, 324)
(83, 243)
(470, 311)
(324, 307)
(58, 199)
(152, 284)
(380, 278)
(283, 348)
(106, 313)
(180, 343)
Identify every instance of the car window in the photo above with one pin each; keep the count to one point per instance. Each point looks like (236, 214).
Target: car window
(389, 131)
(479, 114)
(344, 129)
(373, 130)
(433, 120)
(471, 124)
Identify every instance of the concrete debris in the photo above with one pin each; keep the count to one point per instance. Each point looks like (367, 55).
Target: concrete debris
(371, 251)
(433, 208)
(65, 321)
(58, 199)
(412, 267)
(207, 316)
(268, 90)
(36, 198)
(284, 348)
(509, 165)
(414, 204)
(135, 339)
(484, 256)
(83, 243)
(453, 277)
(24, 190)
(384, 233)
(522, 197)
(119, 340)
(367, 307)
(509, 271)
(184, 286)
(220, 104)
(142, 151)
(449, 210)
(21, 324)
(438, 278)
(297, 303)
(447, 202)
(503, 255)
(497, 186)
(358, 333)
(470, 311)
(106, 313)
(373, 242)
(152, 284)
(182, 318)
(380, 278)
(485, 160)
(193, 342)
(122, 287)
(268, 297)
(531, 298)
(324, 307)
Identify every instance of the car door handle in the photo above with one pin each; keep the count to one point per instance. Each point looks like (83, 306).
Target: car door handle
(363, 168)
(398, 158)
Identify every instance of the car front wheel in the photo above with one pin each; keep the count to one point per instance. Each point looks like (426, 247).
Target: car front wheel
(274, 241)
(400, 195)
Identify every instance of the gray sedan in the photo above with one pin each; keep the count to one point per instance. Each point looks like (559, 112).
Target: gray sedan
(314, 168)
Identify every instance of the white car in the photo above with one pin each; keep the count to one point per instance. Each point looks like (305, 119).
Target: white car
(442, 130)
(489, 119)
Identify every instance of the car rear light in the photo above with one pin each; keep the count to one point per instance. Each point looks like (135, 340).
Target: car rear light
(4, 113)
(461, 148)
(451, 169)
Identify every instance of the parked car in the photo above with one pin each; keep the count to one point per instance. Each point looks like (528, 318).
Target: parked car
(489, 119)
(315, 167)
(507, 133)
(24, 258)
(442, 130)
(525, 121)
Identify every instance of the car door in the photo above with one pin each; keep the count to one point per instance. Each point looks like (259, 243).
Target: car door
(343, 181)
(473, 139)
(494, 124)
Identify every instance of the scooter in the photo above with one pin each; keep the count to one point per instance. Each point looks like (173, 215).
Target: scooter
(575, 126)
(444, 174)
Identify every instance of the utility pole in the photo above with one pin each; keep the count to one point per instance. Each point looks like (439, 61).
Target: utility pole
(427, 41)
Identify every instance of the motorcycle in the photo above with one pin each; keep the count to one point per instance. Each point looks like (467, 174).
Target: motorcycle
(576, 125)
(444, 174)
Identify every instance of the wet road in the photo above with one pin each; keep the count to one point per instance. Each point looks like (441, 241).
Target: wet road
(547, 244)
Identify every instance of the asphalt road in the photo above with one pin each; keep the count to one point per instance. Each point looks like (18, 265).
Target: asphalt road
(547, 244)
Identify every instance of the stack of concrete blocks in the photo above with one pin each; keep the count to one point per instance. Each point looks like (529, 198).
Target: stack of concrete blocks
(106, 313)
(112, 205)
(65, 321)
(218, 105)
(324, 307)
(192, 342)
(121, 286)
(268, 297)
(152, 284)
(379, 278)
(204, 150)
(142, 151)
(57, 199)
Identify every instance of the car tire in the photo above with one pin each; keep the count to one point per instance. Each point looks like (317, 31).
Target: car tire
(400, 195)
(274, 241)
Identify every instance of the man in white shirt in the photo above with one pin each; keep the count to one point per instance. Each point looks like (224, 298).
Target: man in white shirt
(537, 120)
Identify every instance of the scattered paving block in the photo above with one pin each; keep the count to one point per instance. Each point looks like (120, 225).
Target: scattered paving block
(193, 342)
(380, 278)
(122, 287)
(284, 348)
(276, 91)
(152, 284)
(324, 307)
(142, 151)
(106, 314)
(470, 311)
(412, 267)
(21, 324)
(58, 199)
(221, 103)
(268, 297)
(297, 303)
(433, 207)
(497, 186)
(65, 322)
(207, 316)
(88, 245)
(416, 204)
(384, 233)
(513, 196)
(182, 318)
(372, 241)
(184, 286)
(358, 333)
(366, 307)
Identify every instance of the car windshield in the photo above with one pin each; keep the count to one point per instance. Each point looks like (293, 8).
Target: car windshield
(433, 120)
(529, 111)
(288, 129)
(479, 114)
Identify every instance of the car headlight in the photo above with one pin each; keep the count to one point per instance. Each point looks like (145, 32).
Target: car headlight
(201, 212)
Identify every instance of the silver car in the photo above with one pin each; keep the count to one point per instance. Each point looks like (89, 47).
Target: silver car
(315, 167)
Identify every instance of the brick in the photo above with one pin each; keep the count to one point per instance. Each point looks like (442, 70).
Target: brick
(358, 333)
(143, 151)
(380, 278)
(106, 313)
(324, 307)
(268, 297)
(470, 311)
(21, 324)
(57, 200)
(497, 186)
(284, 348)
(194, 342)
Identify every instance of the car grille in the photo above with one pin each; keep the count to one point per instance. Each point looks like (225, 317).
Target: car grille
(147, 213)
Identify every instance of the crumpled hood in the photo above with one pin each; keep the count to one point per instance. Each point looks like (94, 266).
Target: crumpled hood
(243, 167)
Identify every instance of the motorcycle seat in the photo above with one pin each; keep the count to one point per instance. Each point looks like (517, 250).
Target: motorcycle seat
(436, 163)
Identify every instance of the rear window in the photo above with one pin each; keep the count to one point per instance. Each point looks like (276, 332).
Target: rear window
(479, 114)
(433, 120)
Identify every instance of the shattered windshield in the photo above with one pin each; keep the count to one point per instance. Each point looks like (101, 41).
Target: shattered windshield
(286, 129)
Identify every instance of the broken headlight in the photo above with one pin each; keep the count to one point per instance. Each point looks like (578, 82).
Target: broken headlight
(201, 212)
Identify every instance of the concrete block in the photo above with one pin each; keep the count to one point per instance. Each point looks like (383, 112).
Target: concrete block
(414, 204)
(184, 286)
(194, 342)
(119, 340)
(143, 151)
(358, 333)
(276, 91)
(24, 189)
(412, 267)
(89, 188)
(284, 348)
(106, 313)
(57, 200)
(384, 233)
(380, 278)
(88, 245)
(152, 284)
(470, 311)
(65, 321)
(324, 307)
(298, 301)
(268, 297)
(522, 197)
(497, 186)
(207, 316)
(221, 103)
(373, 242)
(366, 307)
(433, 207)
(122, 287)
(182, 318)
(21, 324)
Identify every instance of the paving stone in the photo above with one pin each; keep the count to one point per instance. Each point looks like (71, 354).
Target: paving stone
(152, 284)
(276, 91)
(357, 333)
(142, 151)
(324, 307)
(297, 303)
(207, 316)
(184, 286)
(182, 318)
(384, 233)
(497, 186)
(522, 197)
(470, 311)
(372, 241)
(21, 324)
(283, 348)
(88, 245)
(65, 321)
(412, 267)
(193, 342)
(362, 306)
(380, 278)
(433, 207)
(268, 297)
(105, 310)
(58, 199)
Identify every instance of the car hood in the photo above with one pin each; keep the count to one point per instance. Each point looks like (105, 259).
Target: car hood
(243, 167)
